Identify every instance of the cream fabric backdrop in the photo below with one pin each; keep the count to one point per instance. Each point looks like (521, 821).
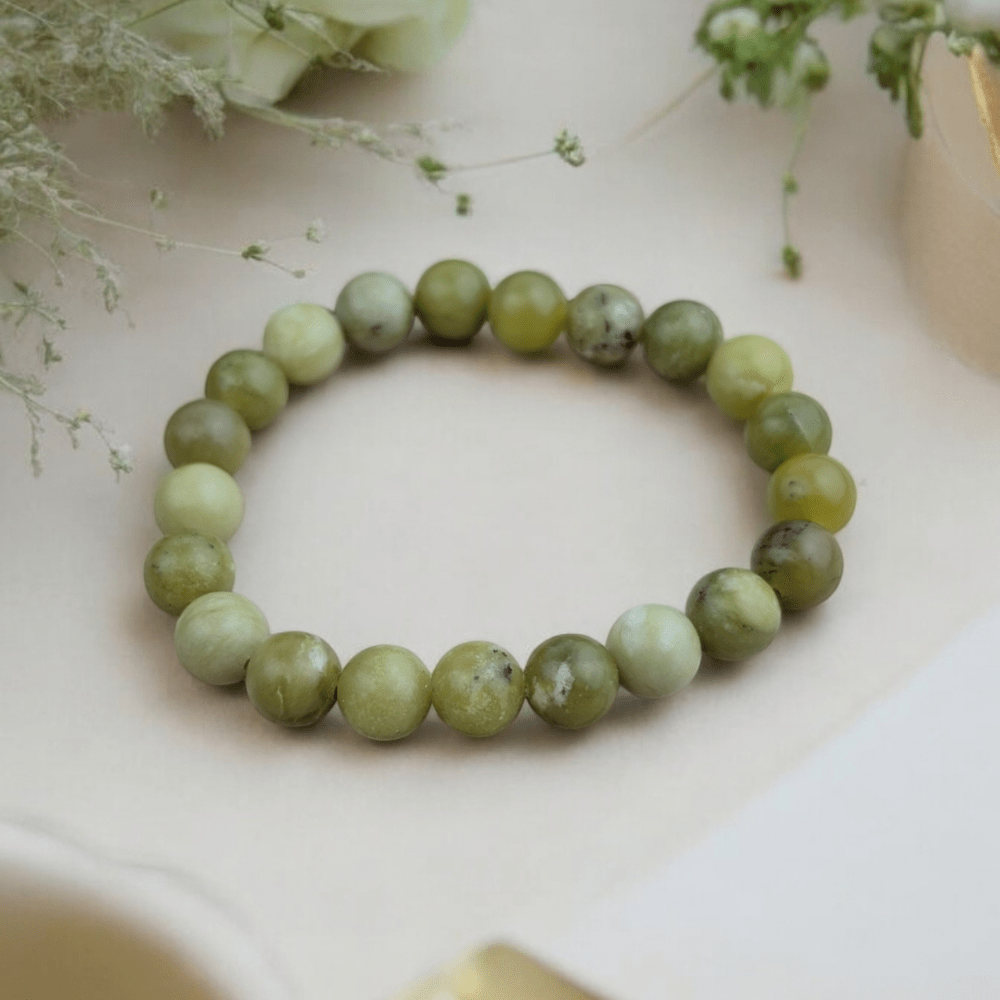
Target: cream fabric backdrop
(439, 496)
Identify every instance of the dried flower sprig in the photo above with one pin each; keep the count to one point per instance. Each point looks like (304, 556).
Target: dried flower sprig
(62, 58)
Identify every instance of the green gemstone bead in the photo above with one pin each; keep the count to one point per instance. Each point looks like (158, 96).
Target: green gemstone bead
(812, 488)
(385, 692)
(451, 299)
(657, 650)
(735, 613)
(198, 497)
(527, 312)
(376, 312)
(603, 325)
(292, 678)
(744, 371)
(306, 341)
(217, 634)
(571, 681)
(787, 424)
(477, 688)
(679, 338)
(801, 561)
(206, 430)
(251, 383)
(180, 568)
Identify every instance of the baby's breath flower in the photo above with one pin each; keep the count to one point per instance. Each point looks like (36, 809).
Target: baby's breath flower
(569, 148)
(737, 22)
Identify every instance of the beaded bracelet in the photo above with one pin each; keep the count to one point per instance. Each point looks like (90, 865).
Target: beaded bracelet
(477, 688)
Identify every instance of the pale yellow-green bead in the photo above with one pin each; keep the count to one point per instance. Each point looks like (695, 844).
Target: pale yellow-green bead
(307, 342)
(812, 488)
(657, 650)
(527, 312)
(744, 371)
(199, 497)
(384, 692)
(217, 634)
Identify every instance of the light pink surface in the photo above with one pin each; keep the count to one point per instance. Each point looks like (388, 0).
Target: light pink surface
(441, 496)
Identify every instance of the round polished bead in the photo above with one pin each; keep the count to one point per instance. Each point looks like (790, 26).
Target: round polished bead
(603, 325)
(744, 371)
(801, 561)
(787, 424)
(451, 299)
(376, 311)
(306, 341)
(292, 678)
(571, 681)
(477, 688)
(180, 568)
(385, 692)
(678, 339)
(206, 430)
(735, 613)
(217, 634)
(657, 650)
(198, 497)
(251, 383)
(812, 488)
(527, 312)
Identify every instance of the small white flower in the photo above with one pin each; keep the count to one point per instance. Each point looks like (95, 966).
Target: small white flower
(809, 71)
(736, 23)
(262, 62)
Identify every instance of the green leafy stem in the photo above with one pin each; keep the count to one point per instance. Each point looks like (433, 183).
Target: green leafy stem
(765, 50)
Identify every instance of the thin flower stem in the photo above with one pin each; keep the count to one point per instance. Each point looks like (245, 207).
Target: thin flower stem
(171, 242)
(672, 105)
(45, 253)
(31, 401)
(790, 254)
(506, 161)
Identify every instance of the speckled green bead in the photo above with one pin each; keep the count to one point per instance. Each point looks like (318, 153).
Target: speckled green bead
(306, 341)
(451, 299)
(735, 613)
(206, 430)
(787, 424)
(571, 681)
(198, 497)
(180, 568)
(812, 488)
(527, 312)
(385, 692)
(217, 634)
(656, 648)
(744, 371)
(801, 561)
(477, 688)
(376, 312)
(603, 325)
(251, 383)
(679, 338)
(292, 678)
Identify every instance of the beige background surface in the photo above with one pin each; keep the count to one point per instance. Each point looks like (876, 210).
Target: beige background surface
(439, 496)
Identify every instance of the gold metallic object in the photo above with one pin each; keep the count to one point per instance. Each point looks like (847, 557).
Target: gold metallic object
(496, 972)
(986, 86)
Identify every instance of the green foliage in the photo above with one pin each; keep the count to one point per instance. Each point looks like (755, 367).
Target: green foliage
(764, 50)
(764, 47)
